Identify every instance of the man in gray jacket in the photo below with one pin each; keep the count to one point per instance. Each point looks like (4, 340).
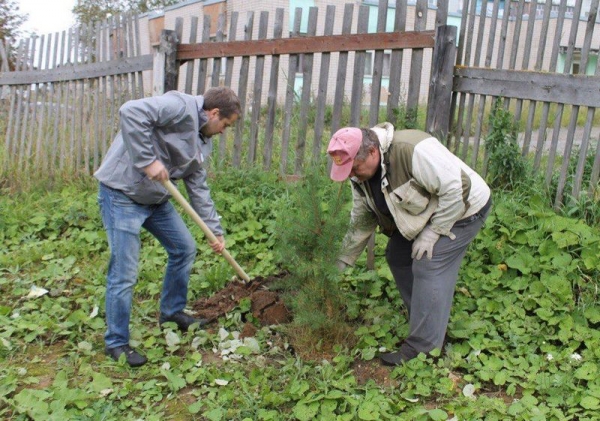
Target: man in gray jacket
(428, 202)
(162, 137)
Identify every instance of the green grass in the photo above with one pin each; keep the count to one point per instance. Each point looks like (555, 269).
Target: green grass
(523, 332)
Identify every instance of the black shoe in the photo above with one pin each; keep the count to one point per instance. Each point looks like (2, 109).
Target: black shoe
(392, 358)
(133, 358)
(182, 320)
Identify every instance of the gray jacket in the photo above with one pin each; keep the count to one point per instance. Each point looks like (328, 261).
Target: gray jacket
(167, 128)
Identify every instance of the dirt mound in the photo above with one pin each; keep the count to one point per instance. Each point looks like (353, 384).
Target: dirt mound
(266, 305)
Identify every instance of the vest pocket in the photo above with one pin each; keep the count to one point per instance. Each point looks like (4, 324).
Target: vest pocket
(411, 197)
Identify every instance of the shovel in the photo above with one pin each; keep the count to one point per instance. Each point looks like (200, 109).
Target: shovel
(209, 234)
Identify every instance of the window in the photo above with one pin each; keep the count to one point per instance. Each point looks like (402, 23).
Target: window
(370, 63)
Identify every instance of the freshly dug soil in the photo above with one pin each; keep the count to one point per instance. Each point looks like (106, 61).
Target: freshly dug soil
(266, 305)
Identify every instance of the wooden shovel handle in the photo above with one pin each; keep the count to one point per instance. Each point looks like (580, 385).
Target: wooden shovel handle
(209, 234)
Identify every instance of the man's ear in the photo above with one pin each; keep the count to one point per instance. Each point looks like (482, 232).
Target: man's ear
(212, 113)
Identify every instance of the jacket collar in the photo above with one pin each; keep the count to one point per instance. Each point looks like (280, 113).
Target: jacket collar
(385, 133)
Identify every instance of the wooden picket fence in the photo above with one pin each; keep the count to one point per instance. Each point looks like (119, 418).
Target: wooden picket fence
(298, 85)
(515, 55)
(270, 131)
(63, 97)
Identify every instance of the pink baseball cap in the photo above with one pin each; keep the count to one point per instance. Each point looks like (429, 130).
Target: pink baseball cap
(343, 147)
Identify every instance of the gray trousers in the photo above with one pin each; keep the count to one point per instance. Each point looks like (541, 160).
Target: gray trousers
(427, 286)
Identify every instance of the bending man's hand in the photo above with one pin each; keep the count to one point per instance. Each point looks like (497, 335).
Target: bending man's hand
(424, 243)
(219, 245)
(157, 171)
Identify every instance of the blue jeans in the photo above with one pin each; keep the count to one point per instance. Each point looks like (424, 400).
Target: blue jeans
(123, 219)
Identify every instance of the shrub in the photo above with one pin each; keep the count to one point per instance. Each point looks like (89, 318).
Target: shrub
(506, 167)
(308, 236)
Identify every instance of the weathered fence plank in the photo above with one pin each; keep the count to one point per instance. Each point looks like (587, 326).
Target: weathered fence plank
(259, 66)
(228, 78)
(305, 98)
(166, 69)
(377, 67)
(216, 73)
(340, 84)
(272, 96)
(309, 44)
(289, 96)
(440, 89)
(560, 106)
(203, 62)
(189, 70)
(359, 70)
(416, 66)
(322, 90)
(396, 64)
(242, 90)
(585, 51)
(571, 89)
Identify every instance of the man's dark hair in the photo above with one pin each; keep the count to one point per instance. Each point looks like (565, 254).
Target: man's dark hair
(224, 99)
(369, 141)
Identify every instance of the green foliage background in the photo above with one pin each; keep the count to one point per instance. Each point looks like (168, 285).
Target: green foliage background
(523, 332)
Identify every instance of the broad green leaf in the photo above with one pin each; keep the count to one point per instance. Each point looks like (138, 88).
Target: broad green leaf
(195, 407)
(175, 381)
(243, 350)
(328, 406)
(216, 414)
(100, 382)
(563, 260)
(565, 239)
(335, 394)
(438, 415)
(368, 410)
(589, 402)
(500, 378)
(591, 257)
(306, 412)
(557, 285)
(266, 415)
(33, 401)
(298, 388)
(524, 262)
(593, 314)
(369, 353)
(588, 371)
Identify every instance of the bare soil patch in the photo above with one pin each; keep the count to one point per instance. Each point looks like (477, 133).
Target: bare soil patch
(373, 370)
(266, 305)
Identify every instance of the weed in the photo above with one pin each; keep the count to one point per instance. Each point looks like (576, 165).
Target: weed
(506, 167)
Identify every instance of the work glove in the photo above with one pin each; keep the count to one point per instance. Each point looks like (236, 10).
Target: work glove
(341, 265)
(424, 243)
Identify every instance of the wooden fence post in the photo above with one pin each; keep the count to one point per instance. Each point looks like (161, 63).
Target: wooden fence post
(165, 69)
(440, 85)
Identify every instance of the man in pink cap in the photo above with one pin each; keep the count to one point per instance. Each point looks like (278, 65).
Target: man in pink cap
(428, 202)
